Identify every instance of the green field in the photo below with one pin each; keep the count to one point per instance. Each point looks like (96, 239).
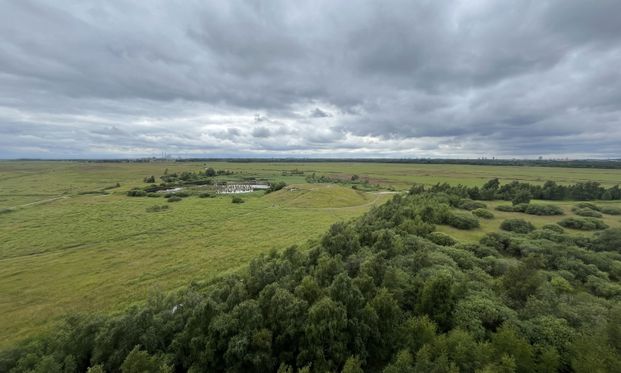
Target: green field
(73, 243)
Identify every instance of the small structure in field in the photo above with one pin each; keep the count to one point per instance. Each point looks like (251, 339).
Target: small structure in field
(240, 188)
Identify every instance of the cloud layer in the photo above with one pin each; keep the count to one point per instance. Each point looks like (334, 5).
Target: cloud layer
(317, 78)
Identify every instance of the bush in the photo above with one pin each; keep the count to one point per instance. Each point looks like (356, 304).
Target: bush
(174, 199)
(276, 187)
(611, 210)
(237, 199)
(584, 224)
(608, 240)
(157, 208)
(6, 210)
(505, 208)
(554, 228)
(587, 205)
(153, 195)
(442, 239)
(471, 205)
(136, 193)
(520, 207)
(544, 210)
(483, 213)
(206, 195)
(461, 221)
(586, 212)
(517, 226)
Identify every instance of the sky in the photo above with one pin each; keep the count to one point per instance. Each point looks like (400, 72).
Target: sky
(404, 79)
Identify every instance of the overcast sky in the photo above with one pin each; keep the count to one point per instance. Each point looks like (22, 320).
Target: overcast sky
(310, 78)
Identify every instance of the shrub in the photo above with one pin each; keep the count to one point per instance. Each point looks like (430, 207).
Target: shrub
(483, 213)
(554, 228)
(543, 210)
(472, 205)
(442, 239)
(505, 208)
(608, 240)
(520, 207)
(174, 199)
(276, 187)
(153, 195)
(237, 199)
(584, 224)
(6, 210)
(587, 205)
(461, 221)
(136, 193)
(517, 226)
(611, 210)
(586, 212)
(157, 208)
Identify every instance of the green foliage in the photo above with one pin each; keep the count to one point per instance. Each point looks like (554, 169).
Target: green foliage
(517, 226)
(587, 212)
(237, 199)
(522, 196)
(610, 210)
(276, 186)
(587, 205)
(543, 210)
(136, 193)
(607, 240)
(174, 199)
(157, 208)
(472, 205)
(138, 361)
(505, 208)
(584, 224)
(462, 221)
(553, 228)
(483, 213)
(441, 239)
(437, 299)
(210, 172)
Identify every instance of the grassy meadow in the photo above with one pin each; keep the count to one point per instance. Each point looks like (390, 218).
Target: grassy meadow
(74, 242)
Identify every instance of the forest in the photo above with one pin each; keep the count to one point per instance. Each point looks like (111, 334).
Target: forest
(384, 292)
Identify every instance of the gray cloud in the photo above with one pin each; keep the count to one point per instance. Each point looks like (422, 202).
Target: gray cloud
(392, 78)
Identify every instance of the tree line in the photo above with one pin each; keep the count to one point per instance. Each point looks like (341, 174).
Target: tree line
(521, 192)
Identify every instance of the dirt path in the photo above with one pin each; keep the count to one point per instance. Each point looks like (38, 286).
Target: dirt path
(38, 202)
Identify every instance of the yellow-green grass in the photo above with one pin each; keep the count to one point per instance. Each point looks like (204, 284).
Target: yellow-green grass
(99, 253)
(493, 225)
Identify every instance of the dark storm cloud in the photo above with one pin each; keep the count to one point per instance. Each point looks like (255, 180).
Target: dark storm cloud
(391, 78)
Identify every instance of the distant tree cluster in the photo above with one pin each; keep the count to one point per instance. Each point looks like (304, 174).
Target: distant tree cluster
(382, 293)
(522, 193)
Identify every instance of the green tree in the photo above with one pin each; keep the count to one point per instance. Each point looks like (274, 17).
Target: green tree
(437, 299)
(138, 361)
(522, 196)
(352, 365)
